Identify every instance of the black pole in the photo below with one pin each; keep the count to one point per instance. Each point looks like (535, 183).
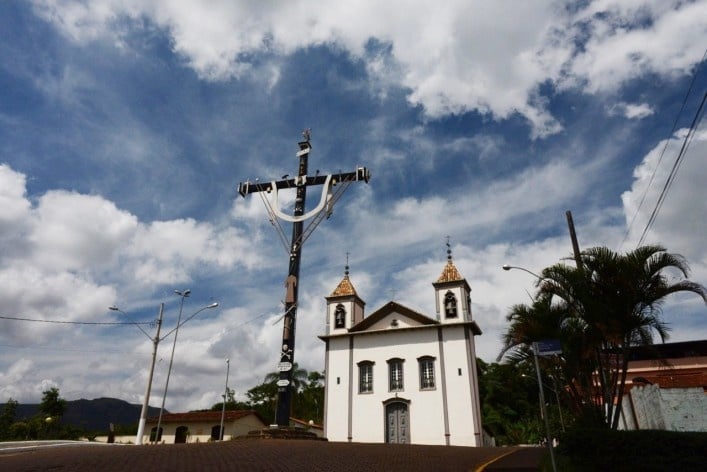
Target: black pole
(287, 355)
(573, 238)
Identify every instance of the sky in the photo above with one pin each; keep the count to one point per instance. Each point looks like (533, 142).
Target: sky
(126, 127)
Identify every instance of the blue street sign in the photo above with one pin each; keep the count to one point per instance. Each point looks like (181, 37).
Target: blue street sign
(547, 347)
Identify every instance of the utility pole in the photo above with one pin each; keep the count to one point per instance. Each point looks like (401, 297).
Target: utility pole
(146, 400)
(299, 234)
(573, 237)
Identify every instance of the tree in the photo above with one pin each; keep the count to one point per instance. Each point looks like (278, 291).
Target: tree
(299, 378)
(545, 320)
(509, 404)
(307, 399)
(598, 311)
(7, 419)
(51, 405)
(51, 409)
(231, 403)
(309, 403)
(263, 399)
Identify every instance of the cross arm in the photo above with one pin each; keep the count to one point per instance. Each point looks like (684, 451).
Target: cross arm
(248, 187)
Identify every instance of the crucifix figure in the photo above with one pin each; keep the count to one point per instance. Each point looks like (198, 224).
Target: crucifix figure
(334, 186)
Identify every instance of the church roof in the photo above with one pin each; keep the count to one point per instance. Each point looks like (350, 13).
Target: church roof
(392, 307)
(450, 273)
(345, 288)
(409, 320)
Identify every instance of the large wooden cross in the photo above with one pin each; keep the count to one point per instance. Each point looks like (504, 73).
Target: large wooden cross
(333, 187)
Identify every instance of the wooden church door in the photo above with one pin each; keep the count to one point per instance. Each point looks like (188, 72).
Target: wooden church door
(396, 424)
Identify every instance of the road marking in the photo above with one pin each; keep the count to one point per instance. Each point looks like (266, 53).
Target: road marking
(483, 466)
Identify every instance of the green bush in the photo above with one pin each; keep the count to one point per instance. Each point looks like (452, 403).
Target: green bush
(607, 450)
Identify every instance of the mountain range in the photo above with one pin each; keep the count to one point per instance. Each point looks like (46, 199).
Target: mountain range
(94, 415)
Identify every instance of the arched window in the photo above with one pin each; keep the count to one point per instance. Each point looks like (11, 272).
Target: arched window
(153, 433)
(450, 305)
(216, 434)
(180, 436)
(339, 316)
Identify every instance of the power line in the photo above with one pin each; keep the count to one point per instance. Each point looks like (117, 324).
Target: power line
(52, 348)
(678, 160)
(13, 318)
(662, 152)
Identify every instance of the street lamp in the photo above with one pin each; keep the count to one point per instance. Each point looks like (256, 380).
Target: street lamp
(225, 396)
(146, 400)
(183, 294)
(509, 267)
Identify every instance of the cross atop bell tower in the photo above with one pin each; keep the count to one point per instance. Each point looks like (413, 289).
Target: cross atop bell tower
(452, 293)
(334, 186)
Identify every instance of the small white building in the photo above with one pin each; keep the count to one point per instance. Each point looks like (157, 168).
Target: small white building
(202, 426)
(398, 376)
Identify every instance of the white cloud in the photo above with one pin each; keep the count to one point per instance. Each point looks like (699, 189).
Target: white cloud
(167, 251)
(13, 200)
(679, 219)
(454, 57)
(628, 39)
(14, 221)
(66, 265)
(11, 379)
(78, 254)
(75, 232)
(632, 110)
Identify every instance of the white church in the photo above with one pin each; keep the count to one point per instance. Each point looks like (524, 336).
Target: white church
(398, 376)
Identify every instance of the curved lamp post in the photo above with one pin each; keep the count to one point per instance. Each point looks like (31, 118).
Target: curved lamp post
(183, 294)
(509, 267)
(146, 400)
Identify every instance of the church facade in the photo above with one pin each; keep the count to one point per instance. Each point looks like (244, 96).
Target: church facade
(399, 376)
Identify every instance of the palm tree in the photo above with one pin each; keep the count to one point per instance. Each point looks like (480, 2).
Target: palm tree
(598, 311)
(299, 378)
(544, 320)
(615, 302)
(530, 323)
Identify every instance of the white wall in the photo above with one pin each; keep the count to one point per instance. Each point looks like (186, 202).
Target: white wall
(425, 407)
(671, 409)
(336, 421)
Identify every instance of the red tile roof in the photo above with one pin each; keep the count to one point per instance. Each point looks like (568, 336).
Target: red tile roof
(202, 416)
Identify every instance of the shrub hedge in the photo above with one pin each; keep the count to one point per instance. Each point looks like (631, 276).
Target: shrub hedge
(606, 450)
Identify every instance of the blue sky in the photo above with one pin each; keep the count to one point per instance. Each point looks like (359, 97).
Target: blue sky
(126, 126)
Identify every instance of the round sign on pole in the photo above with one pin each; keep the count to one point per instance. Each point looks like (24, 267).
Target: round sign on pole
(284, 366)
(283, 383)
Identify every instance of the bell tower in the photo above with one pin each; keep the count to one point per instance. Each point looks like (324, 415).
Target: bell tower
(344, 307)
(452, 294)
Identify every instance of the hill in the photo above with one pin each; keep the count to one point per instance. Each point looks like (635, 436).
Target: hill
(94, 415)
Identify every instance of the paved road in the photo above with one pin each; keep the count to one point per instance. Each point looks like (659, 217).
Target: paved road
(265, 455)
